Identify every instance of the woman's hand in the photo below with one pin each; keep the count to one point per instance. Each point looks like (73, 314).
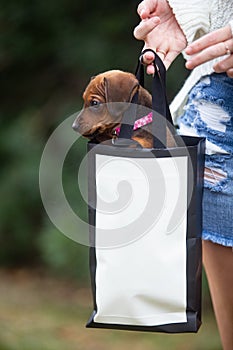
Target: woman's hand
(160, 32)
(210, 46)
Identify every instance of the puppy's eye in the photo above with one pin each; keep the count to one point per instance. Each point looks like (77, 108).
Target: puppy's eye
(95, 103)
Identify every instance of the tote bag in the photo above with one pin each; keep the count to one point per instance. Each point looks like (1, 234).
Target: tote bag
(145, 226)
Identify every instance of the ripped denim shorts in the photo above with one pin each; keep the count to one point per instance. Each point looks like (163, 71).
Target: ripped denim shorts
(209, 113)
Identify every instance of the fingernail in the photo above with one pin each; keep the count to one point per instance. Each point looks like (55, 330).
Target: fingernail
(143, 14)
(216, 70)
(188, 65)
(149, 55)
(188, 50)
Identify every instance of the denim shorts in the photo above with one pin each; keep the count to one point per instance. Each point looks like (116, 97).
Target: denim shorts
(209, 113)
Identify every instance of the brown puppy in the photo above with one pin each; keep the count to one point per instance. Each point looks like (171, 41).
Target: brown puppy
(101, 116)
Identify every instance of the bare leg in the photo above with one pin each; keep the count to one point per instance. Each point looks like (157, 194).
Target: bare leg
(218, 263)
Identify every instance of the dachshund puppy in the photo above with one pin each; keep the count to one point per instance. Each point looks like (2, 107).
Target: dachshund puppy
(101, 116)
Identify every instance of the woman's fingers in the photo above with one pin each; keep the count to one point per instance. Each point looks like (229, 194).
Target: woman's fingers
(209, 40)
(148, 57)
(145, 27)
(224, 65)
(167, 58)
(146, 8)
(210, 53)
(147, 60)
(170, 57)
(210, 46)
(230, 73)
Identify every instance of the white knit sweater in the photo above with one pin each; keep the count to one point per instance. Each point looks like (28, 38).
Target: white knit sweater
(196, 18)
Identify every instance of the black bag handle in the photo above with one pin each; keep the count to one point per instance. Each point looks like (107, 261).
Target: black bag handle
(159, 104)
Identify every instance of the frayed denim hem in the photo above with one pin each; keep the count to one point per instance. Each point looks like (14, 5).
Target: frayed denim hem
(215, 238)
(209, 113)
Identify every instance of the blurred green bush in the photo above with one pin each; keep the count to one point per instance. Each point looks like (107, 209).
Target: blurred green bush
(48, 52)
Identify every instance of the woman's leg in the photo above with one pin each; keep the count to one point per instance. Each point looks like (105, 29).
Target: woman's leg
(218, 263)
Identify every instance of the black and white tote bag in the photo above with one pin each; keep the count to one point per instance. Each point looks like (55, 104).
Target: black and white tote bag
(145, 227)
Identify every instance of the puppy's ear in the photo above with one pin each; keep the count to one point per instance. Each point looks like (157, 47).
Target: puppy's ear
(120, 87)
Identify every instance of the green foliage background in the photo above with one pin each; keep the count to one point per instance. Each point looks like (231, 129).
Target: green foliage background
(48, 52)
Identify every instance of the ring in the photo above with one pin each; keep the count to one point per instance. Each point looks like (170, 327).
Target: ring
(162, 52)
(228, 51)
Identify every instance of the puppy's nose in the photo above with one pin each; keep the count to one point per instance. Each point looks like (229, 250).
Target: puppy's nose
(75, 126)
(81, 127)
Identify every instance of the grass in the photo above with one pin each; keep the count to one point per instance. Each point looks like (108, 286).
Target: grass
(38, 312)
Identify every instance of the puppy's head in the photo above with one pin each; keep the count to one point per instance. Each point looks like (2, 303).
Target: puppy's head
(100, 114)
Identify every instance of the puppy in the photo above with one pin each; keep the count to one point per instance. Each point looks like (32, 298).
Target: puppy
(100, 116)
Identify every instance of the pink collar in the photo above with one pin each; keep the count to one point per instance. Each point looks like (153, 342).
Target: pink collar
(147, 119)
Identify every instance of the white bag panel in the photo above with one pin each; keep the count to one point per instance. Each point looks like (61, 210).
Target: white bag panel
(144, 281)
(112, 172)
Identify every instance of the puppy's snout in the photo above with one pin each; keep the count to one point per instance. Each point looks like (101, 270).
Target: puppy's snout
(77, 124)
(80, 126)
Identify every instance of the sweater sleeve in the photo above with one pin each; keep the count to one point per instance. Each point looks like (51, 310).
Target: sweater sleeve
(193, 17)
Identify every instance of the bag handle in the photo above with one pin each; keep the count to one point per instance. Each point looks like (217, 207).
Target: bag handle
(159, 104)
